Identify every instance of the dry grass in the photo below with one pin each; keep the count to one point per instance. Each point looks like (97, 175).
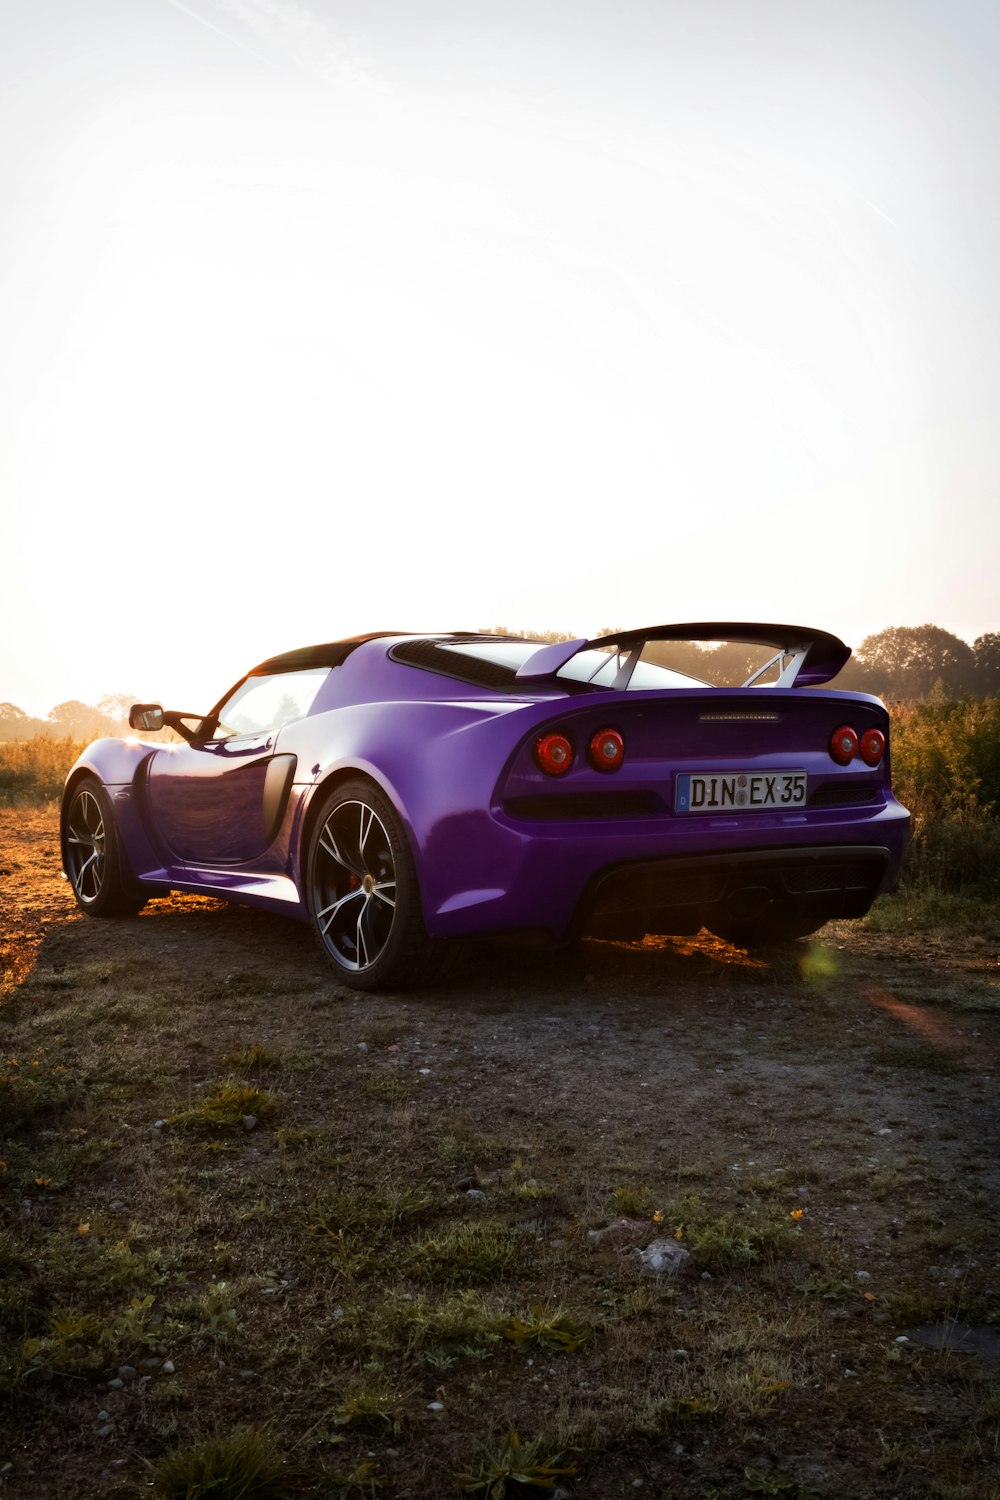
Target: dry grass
(377, 1287)
(33, 771)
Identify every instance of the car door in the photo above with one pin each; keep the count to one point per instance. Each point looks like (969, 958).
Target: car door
(218, 801)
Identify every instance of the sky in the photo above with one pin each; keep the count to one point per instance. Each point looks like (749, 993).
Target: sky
(320, 318)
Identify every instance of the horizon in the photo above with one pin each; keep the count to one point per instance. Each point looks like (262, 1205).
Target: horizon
(316, 323)
(37, 712)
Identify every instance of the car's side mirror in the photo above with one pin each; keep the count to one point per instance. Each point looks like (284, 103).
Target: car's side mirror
(145, 716)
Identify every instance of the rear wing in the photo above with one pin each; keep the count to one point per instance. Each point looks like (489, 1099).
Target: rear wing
(803, 657)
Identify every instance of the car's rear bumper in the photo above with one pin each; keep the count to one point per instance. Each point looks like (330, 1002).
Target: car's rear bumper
(809, 885)
(572, 877)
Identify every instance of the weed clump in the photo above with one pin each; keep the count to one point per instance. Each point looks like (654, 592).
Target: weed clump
(471, 1254)
(251, 1060)
(557, 1331)
(374, 1406)
(239, 1466)
(511, 1465)
(721, 1242)
(226, 1106)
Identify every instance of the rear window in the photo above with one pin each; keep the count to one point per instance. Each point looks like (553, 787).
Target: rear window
(603, 666)
(494, 662)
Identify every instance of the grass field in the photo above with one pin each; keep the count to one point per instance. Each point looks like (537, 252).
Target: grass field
(264, 1238)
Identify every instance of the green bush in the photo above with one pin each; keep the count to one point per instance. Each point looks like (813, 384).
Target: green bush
(946, 770)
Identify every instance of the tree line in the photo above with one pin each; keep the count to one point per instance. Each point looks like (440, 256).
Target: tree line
(903, 664)
(71, 720)
(906, 663)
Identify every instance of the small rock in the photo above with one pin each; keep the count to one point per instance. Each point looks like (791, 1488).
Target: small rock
(476, 1193)
(160, 1124)
(681, 1354)
(664, 1257)
(425, 1071)
(902, 1339)
(116, 1384)
(126, 1372)
(102, 1416)
(105, 1431)
(248, 1374)
(249, 1122)
(392, 1453)
(620, 1232)
(862, 1276)
(362, 1046)
(707, 1276)
(150, 1364)
(168, 1367)
(116, 1205)
(436, 1406)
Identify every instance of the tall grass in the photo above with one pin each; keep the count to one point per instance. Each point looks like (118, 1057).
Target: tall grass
(946, 770)
(33, 771)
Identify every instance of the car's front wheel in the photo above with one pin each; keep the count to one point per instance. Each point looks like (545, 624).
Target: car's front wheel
(93, 859)
(362, 891)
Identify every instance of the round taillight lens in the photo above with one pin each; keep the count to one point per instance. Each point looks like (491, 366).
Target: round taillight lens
(606, 750)
(554, 754)
(843, 745)
(872, 747)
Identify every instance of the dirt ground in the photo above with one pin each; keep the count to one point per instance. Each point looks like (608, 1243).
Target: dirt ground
(584, 1033)
(860, 1073)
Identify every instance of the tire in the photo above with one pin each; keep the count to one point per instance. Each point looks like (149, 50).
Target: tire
(363, 895)
(92, 855)
(766, 932)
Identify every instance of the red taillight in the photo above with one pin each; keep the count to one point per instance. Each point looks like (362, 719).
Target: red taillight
(606, 750)
(872, 747)
(554, 754)
(843, 745)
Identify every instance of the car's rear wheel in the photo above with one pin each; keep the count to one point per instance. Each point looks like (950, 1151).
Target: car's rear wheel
(765, 932)
(362, 892)
(93, 859)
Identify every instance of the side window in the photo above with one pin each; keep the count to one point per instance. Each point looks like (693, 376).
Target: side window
(263, 703)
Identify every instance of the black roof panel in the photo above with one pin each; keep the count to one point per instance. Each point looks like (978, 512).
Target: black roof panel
(329, 655)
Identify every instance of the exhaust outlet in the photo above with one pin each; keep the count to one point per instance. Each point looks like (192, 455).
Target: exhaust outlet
(748, 902)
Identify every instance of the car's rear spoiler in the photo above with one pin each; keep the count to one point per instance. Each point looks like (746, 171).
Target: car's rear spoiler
(804, 657)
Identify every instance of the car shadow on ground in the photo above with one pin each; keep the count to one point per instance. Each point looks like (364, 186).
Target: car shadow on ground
(213, 943)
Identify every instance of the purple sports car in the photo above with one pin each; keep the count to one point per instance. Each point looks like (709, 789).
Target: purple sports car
(396, 791)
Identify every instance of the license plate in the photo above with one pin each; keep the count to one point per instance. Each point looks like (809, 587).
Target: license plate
(717, 791)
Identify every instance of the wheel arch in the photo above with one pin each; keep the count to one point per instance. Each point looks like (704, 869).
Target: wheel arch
(321, 792)
(80, 772)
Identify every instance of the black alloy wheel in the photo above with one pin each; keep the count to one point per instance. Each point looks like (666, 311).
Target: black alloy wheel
(362, 891)
(92, 856)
